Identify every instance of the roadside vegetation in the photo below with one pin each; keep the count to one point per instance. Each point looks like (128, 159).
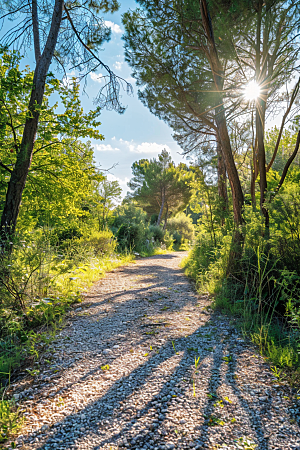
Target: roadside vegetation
(72, 225)
(215, 72)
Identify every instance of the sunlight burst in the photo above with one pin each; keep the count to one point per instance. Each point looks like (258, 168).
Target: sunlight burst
(252, 91)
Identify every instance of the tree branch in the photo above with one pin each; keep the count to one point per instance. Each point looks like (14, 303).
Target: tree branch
(292, 100)
(288, 163)
(36, 33)
(5, 167)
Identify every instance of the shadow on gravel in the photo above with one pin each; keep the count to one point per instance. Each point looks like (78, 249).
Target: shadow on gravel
(110, 408)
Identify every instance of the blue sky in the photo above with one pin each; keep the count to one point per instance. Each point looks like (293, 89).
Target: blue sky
(137, 133)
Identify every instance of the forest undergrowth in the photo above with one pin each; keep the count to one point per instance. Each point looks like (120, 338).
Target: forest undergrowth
(262, 291)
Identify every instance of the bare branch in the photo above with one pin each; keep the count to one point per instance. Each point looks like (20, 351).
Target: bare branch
(36, 34)
(292, 100)
(288, 163)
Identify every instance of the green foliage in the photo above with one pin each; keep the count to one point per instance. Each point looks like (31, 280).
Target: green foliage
(130, 226)
(182, 228)
(160, 187)
(263, 292)
(157, 233)
(10, 420)
(168, 240)
(100, 242)
(63, 170)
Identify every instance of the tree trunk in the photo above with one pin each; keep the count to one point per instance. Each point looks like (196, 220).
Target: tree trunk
(235, 185)
(166, 218)
(222, 184)
(161, 209)
(220, 118)
(260, 118)
(24, 156)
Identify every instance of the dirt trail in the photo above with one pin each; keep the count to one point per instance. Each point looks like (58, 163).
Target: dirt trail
(123, 374)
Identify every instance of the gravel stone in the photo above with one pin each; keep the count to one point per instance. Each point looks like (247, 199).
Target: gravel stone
(123, 376)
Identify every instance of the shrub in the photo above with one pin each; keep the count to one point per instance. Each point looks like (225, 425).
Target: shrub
(100, 242)
(168, 240)
(129, 226)
(61, 236)
(156, 232)
(10, 419)
(182, 228)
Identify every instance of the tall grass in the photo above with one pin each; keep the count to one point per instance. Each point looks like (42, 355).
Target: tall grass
(39, 284)
(261, 295)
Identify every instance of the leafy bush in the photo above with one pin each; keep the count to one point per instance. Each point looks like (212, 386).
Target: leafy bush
(168, 240)
(157, 233)
(61, 236)
(130, 226)
(100, 242)
(182, 227)
(9, 419)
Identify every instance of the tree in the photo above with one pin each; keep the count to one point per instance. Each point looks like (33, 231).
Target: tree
(178, 64)
(187, 73)
(109, 192)
(159, 187)
(63, 168)
(71, 34)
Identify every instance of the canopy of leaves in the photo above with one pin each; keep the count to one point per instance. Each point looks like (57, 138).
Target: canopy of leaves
(62, 170)
(159, 183)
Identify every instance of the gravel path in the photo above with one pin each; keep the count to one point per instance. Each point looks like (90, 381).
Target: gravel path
(122, 374)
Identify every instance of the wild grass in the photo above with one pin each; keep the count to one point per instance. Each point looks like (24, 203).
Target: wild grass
(33, 311)
(10, 420)
(261, 298)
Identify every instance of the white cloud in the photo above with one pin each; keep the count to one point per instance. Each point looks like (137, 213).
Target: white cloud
(128, 144)
(106, 148)
(115, 28)
(122, 182)
(144, 147)
(150, 147)
(96, 77)
(118, 65)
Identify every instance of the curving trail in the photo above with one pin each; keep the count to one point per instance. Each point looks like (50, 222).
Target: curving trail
(123, 374)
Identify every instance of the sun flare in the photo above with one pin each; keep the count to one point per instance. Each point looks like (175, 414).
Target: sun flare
(252, 91)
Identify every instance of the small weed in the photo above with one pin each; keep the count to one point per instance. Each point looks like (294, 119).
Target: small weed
(60, 402)
(194, 389)
(10, 420)
(277, 373)
(219, 403)
(227, 359)
(106, 367)
(197, 362)
(174, 348)
(33, 372)
(211, 396)
(192, 349)
(215, 421)
(165, 308)
(245, 444)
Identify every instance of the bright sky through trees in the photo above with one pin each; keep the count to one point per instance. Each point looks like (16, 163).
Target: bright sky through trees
(252, 91)
(137, 133)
